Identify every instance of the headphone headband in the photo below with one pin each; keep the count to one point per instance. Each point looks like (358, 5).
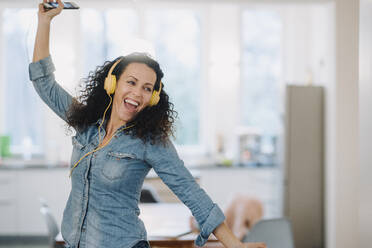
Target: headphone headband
(113, 66)
(110, 81)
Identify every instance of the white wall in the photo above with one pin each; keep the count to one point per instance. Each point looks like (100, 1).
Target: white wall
(365, 125)
(2, 103)
(342, 144)
(306, 42)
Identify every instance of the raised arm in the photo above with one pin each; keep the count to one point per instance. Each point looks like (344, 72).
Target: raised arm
(41, 69)
(41, 48)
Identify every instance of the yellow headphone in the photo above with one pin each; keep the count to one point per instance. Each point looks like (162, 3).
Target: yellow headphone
(110, 85)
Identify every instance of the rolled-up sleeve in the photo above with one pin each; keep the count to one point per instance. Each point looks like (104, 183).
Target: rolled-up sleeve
(42, 76)
(41, 68)
(214, 219)
(170, 168)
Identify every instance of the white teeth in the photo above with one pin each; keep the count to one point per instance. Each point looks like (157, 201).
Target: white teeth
(131, 102)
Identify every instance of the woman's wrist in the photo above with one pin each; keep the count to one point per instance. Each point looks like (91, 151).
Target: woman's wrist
(227, 238)
(44, 21)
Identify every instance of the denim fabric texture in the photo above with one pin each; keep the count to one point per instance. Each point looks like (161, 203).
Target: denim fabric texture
(102, 208)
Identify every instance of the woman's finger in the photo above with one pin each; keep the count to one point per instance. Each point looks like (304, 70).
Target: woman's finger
(60, 5)
(41, 8)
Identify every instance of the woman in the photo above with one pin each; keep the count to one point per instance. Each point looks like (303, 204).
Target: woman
(112, 154)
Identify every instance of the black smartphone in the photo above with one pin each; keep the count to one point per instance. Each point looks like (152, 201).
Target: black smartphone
(67, 5)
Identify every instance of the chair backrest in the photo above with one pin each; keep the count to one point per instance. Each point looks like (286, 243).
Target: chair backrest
(276, 233)
(51, 223)
(149, 195)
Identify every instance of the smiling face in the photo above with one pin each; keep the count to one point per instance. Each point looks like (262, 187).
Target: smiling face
(133, 92)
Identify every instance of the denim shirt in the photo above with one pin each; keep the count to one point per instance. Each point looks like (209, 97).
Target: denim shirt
(102, 208)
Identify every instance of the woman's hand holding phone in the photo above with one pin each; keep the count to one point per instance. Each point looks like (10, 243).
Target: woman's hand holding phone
(46, 15)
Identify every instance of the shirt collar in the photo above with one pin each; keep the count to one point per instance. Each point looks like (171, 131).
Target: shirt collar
(99, 121)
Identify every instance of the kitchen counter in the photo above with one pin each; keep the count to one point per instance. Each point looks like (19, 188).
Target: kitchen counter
(16, 164)
(19, 164)
(39, 164)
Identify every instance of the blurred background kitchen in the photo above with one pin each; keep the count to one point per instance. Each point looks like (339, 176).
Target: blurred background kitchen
(273, 97)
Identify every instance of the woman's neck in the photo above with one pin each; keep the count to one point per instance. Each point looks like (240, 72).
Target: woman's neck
(112, 126)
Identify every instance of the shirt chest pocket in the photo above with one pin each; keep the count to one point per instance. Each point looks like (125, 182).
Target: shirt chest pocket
(116, 164)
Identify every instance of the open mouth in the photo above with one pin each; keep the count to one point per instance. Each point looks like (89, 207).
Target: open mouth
(131, 104)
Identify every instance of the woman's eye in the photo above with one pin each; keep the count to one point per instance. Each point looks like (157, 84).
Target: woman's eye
(148, 89)
(131, 82)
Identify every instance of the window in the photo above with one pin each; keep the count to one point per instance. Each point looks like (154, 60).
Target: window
(111, 33)
(21, 104)
(177, 40)
(260, 87)
(107, 35)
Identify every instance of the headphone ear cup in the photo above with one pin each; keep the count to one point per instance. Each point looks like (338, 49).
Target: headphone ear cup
(110, 84)
(155, 97)
(151, 103)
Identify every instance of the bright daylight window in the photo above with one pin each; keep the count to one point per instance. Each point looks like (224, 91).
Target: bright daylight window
(260, 88)
(108, 35)
(21, 104)
(176, 36)
(111, 33)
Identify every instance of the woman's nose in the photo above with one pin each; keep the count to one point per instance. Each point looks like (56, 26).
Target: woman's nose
(137, 91)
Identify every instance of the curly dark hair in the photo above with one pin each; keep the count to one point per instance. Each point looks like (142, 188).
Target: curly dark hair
(153, 124)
